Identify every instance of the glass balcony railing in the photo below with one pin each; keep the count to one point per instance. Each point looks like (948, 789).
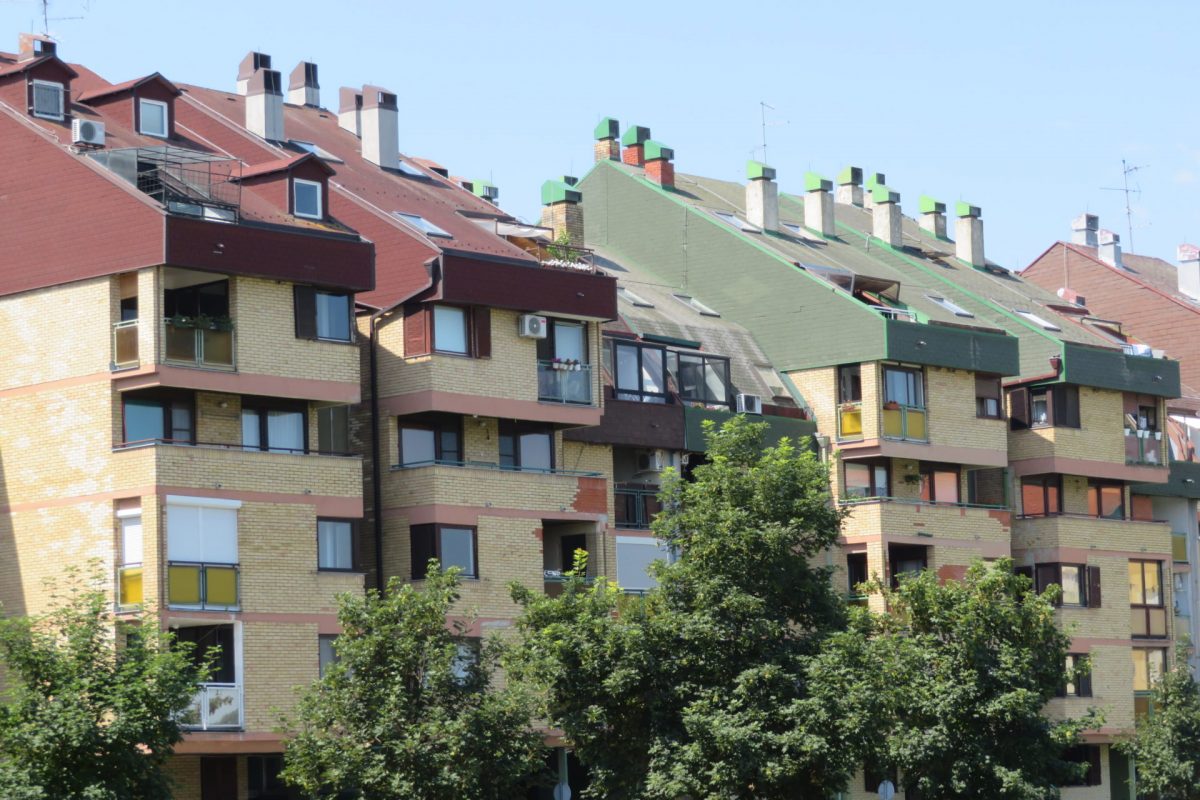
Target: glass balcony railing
(215, 706)
(565, 382)
(129, 586)
(850, 422)
(198, 343)
(904, 422)
(1145, 447)
(202, 586)
(125, 344)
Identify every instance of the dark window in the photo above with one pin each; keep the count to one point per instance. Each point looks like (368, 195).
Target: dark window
(639, 372)
(1106, 499)
(1056, 406)
(526, 446)
(326, 653)
(987, 486)
(323, 315)
(201, 300)
(636, 505)
(873, 776)
(335, 544)
(430, 438)
(703, 379)
(279, 426)
(906, 559)
(866, 479)
(904, 386)
(452, 546)
(849, 383)
(150, 418)
(1148, 617)
(856, 571)
(333, 429)
(1041, 495)
(1078, 677)
(206, 640)
(1085, 754)
(939, 483)
(264, 781)
(987, 397)
(1071, 577)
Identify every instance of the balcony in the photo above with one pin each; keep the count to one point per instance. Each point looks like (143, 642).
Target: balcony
(895, 516)
(636, 506)
(850, 421)
(904, 422)
(129, 586)
(1145, 448)
(197, 342)
(125, 344)
(215, 706)
(485, 484)
(207, 587)
(565, 382)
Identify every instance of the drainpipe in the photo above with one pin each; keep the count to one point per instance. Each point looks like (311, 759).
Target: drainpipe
(376, 472)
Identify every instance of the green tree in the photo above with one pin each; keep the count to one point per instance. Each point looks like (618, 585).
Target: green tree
(699, 688)
(958, 675)
(91, 703)
(1166, 745)
(409, 708)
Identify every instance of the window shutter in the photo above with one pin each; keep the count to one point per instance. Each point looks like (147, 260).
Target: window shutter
(1093, 587)
(1019, 400)
(422, 541)
(416, 331)
(481, 329)
(306, 312)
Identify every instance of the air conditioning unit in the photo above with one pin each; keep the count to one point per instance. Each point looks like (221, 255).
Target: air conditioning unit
(532, 326)
(652, 461)
(86, 131)
(749, 404)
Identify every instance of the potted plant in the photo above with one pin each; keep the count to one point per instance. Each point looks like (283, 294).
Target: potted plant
(891, 405)
(849, 406)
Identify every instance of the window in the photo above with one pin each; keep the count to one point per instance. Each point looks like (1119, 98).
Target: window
(205, 640)
(703, 379)
(735, 221)
(566, 344)
(451, 546)
(526, 446)
(904, 386)
(565, 340)
(1106, 500)
(422, 224)
(1148, 667)
(450, 330)
(48, 99)
(152, 118)
(987, 486)
(1036, 320)
(864, 479)
(306, 199)
(987, 397)
(856, 571)
(640, 373)
(129, 559)
(158, 419)
(635, 554)
(849, 383)
(906, 559)
(335, 544)
(950, 306)
(1041, 495)
(633, 299)
(466, 659)
(333, 429)
(1056, 406)
(322, 314)
(1071, 578)
(326, 652)
(1078, 677)
(1085, 754)
(274, 425)
(939, 483)
(1147, 615)
(315, 149)
(202, 552)
(430, 439)
(696, 305)
(264, 781)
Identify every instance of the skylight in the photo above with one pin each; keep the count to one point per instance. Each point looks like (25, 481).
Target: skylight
(1035, 319)
(315, 149)
(950, 306)
(633, 299)
(695, 305)
(735, 221)
(422, 224)
(411, 171)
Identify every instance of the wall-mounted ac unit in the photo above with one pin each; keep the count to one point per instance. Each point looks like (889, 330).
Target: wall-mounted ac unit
(86, 131)
(652, 461)
(749, 404)
(532, 326)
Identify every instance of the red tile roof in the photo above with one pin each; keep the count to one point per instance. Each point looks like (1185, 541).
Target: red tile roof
(105, 91)
(10, 64)
(283, 164)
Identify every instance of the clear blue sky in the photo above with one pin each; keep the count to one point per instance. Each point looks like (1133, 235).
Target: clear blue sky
(1023, 108)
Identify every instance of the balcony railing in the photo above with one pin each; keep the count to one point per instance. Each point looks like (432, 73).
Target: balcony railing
(565, 382)
(129, 586)
(553, 255)
(904, 422)
(1145, 447)
(209, 345)
(196, 585)
(125, 344)
(493, 466)
(913, 501)
(215, 706)
(636, 507)
(850, 422)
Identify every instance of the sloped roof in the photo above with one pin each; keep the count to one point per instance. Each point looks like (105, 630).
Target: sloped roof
(283, 165)
(99, 92)
(11, 64)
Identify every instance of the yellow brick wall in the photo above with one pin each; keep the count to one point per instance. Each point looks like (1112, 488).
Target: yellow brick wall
(950, 399)
(1101, 436)
(57, 333)
(279, 660)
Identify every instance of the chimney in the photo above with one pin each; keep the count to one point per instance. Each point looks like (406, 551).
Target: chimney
(264, 105)
(968, 234)
(659, 168)
(561, 209)
(818, 204)
(849, 190)
(885, 214)
(873, 180)
(380, 124)
(251, 64)
(303, 89)
(1188, 256)
(635, 136)
(608, 148)
(485, 190)
(1083, 229)
(31, 46)
(1109, 248)
(350, 110)
(933, 216)
(762, 196)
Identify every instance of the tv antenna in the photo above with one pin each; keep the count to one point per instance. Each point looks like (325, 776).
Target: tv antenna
(47, 19)
(763, 107)
(1126, 171)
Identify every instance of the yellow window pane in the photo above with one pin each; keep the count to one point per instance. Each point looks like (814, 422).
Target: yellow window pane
(1137, 622)
(1158, 622)
(131, 586)
(1141, 706)
(1153, 590)
(852, 423)
(916, 424)
(183, 586)
(892, 424)
(1179, 548)
(221, 585)
(1141, 677)
(1135, 582)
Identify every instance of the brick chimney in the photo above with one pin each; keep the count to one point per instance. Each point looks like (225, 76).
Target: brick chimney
(380, 123)
(885, 214)
(251, 64)
(968, 234)
(849, 190)
(1109, 248)
(1188, 256)
(933, 216)
(303, 89)
(608, 146)
(818, 204)
(635, 137)
(659, 168)
(561, 209)
(264, 105)
(873, 180)
(1084, 228)
(350, 110)
(32, 45)
(762, 196)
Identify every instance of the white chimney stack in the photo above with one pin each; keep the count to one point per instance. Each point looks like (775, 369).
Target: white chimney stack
(885, 215)
(1109, 248)
(1084, 228)
(933, 216)
(380, 127)
(818, 204)
(350, 110)
(873, 180)
(850, 190)
(264, 105)
(251, 64)
(1188, 256)
(303, 88)
(762, 196)
(968, 234)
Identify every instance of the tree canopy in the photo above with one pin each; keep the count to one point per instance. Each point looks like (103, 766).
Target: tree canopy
(1166, 744)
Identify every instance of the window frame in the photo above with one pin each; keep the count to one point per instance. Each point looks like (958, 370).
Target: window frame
(918, 384)
(981, 399)
(872, 467)
(949, 305)
(720, 362)
(1082, 685)
(166, 116)
(1096, 487)
(332, 412)
(62, 99)
(354, 565)
(515, 430)
(434, 529)
(421, 224)
(1056, 569)
(466, 330)
(439, 425)
(1162, 667)
(1062, 406)
(306, 313)
(167, 401)
(1148, 608)
(927, 469)
(349, 298)
(1046, 482)
(320, 189)
(262, 406)
(849, 378)
(642, 395)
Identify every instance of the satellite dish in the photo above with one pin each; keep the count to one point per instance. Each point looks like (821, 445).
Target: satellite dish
(887, 790)
(562, 792)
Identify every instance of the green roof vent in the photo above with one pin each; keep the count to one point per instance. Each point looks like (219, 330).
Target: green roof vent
(559, 191)
(485, 190)
(931, 206)
(875, 179)
(757, 170)
(882, 194)
(607, 128)
(850, 176)
(653, 150)
(635, 135)
(815, 183)
(963, 209)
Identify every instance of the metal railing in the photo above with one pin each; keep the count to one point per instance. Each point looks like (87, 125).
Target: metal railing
(1145, 447)
(493, 466)
(635, 508)
(129, 586)
(904, 422)
(914, 501)
(565, 382)
(247, 448)
(125, 344)
(200, 345)
(562, 256)
(196, 585)
(895, 313)
(214, 706)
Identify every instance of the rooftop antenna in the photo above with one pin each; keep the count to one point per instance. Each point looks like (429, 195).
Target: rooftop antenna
(47, 19)
(1126, 171)
(763, 107)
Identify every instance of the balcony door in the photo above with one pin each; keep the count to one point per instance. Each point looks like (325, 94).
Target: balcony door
(563, 369)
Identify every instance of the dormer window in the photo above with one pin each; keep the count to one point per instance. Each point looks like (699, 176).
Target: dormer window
(152, 118)
(306, 199)
(47, 100)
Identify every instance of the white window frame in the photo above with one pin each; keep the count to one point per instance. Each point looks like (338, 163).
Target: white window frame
(950, 305)
(296, 183)
(423, 225)
(1026, 314)
(734, 221)
(62, 99)
(166, 112)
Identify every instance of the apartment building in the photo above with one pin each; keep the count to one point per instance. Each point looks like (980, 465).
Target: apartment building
(968, 413)
(194, 344)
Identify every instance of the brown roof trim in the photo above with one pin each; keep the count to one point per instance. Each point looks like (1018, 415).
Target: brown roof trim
(283, 165)
(25, 66)
(128, 85)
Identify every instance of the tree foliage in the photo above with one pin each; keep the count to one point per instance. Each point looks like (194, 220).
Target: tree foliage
(91, 702)
(1166, 745)
(405, 712)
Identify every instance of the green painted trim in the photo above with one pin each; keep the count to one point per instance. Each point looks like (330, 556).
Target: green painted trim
(875, 179)
(559, 192)
(778, 427)
(882, 194)
(675, 340)
(795, 392)
(930, 206)
(1177, 483)
(607, 128)
(653, 150)
(815, 183)
(756, 170)
(484, 189)
(635, 134)
(850, 176)
(964, 209)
